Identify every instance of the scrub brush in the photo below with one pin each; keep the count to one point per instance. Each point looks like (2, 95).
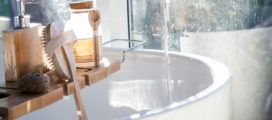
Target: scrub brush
(48, 62)
(45, 38)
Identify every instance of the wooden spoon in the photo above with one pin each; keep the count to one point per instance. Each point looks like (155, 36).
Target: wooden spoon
(94, 20)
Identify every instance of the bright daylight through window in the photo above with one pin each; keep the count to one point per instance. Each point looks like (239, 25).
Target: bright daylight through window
(190, 16)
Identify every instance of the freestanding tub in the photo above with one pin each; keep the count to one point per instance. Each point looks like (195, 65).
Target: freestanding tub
(190, 88)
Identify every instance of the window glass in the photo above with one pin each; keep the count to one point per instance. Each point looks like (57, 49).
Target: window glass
(4, 8)
(147, 18)
(4, 17)
(234, 32)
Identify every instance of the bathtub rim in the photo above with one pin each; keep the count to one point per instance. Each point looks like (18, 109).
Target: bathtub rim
(220, 74)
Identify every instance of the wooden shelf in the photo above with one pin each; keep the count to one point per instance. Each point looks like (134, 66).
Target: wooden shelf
(88, 77)
(18, 104)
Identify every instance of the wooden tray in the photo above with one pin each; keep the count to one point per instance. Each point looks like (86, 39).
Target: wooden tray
(18, 104)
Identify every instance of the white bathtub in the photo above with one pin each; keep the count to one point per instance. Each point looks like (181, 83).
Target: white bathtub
(199, 89)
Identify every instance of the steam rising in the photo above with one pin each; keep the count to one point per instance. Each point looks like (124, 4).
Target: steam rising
(48, 11)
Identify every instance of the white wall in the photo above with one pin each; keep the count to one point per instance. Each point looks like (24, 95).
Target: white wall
(114, 19)
(4, 24)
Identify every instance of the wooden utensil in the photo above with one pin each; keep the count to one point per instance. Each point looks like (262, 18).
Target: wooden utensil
(70, 60)
(53, 49)
(94, 20)
(60, 50)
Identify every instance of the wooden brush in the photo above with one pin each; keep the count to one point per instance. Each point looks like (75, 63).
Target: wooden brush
(59, 48)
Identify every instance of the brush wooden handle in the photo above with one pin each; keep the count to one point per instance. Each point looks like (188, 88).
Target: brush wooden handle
(53, 50)
(64, 61)
(70, 60)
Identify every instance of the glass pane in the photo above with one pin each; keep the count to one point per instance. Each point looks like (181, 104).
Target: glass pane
(147, 22)
(234, 32)
(4, 8)
(4, 16)
(193, 16)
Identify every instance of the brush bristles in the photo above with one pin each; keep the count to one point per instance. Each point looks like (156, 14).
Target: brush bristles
(45, 38)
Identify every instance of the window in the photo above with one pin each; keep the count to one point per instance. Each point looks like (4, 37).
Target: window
(4, 8)
(147, 18)
(230, 31)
